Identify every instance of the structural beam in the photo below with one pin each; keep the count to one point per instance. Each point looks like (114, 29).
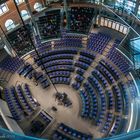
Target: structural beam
(31, 41)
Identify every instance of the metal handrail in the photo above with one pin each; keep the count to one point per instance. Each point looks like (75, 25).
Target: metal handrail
(109, 9)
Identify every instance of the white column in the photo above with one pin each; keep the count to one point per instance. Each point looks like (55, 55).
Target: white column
(8, 48)
(10, 51)
(32, 17)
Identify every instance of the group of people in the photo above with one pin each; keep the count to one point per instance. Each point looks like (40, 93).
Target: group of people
(63, 99)
(49, 25)
(80, 19)
(20, 42)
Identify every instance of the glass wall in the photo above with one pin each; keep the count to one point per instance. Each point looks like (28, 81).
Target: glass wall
(138, 13)
(124, 5)
(113, 25)
(7, 135)
(128, 5)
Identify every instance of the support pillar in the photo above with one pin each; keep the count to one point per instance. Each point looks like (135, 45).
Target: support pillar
(34, 25)
(66, 11)
(136, 7)
(98, 17)
(8, 47)
(44, 3)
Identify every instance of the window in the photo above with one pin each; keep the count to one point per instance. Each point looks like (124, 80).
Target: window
(9, 24)
(97, 1)
(138, 14)
(19, 1)
(38, 6)
(129, 5)
(24, 14)
(3, 8)
(119, 3)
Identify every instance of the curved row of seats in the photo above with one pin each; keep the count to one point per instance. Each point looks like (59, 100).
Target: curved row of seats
(60, 136)
(118, 97)
(132, 88)
(111, 76)
(11, 64)
(106, 74)
(100, 78)
(113, 125)
(112, 70)
(41, 48)
(108, 123)
(41, 79)
(70, 40)
(114, 75)
(20, 101)
(61, 80)
(110, 99)
(98, 42)
(58, 62)
(119, 60)
(60, 68)
(121, 87)
(58, 51)
(125, 96)
(99, 90)
(93, 107)
(83, 63)
(57, 67)
(27, 70)
(116, 126)
(14, 106)
(100, 95)
(98, 73)
(59, 74)
(117, 92)
(25, 96)
(66, 132)
(54, 57)
(89, 102)
(60, 77)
